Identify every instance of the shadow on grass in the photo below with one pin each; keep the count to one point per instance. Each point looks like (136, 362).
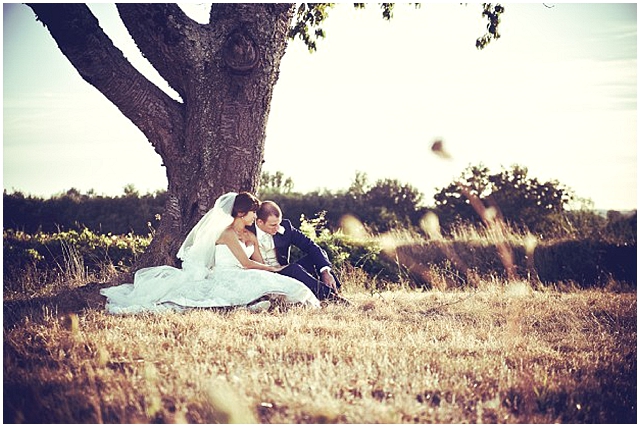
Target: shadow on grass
(608, 396)
(65, 302)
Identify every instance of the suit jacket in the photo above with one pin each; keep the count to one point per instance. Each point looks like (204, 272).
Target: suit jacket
(291, 236)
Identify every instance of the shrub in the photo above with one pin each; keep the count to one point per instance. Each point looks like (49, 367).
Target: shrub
(390, 259)
(343, 250)
(586, 262)
(40, 257)
(474, 252)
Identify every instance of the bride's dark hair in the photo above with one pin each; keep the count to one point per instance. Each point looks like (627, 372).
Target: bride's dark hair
(245, 202)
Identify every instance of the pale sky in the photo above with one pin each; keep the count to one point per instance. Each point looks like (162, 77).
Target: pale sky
(557, 93)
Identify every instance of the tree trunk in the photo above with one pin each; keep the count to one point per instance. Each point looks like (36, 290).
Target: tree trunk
(224, 71)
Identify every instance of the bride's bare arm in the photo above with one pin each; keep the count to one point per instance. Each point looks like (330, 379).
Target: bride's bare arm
(256, 255)
(229, 238)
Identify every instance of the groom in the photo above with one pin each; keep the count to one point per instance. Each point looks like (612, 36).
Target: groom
(275, 238)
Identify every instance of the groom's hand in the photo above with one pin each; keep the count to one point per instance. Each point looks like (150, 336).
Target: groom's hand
(329, 280)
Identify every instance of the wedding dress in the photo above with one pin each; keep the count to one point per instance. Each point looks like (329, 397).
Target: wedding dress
(211, 276)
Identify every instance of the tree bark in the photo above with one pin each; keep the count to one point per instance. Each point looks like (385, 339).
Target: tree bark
(224, 71)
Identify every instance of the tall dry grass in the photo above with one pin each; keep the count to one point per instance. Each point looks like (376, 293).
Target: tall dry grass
(502, 353)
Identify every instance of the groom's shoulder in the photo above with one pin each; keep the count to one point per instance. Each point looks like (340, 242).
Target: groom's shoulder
(286, 224)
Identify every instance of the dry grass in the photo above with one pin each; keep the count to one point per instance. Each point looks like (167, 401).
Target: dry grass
(501, 353)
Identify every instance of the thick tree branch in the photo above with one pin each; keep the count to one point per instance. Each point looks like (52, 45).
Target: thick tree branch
(161, 32)
(80, 38)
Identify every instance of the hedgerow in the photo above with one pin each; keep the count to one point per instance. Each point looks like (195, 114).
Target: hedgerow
(41, 257)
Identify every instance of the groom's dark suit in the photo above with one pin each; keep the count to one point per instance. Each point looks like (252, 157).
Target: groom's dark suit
(307, 268)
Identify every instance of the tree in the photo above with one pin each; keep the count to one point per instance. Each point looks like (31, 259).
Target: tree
(390, 204)
(212, 140)
(518, 198)
(525, 200)
(275, 183)
(359, 186)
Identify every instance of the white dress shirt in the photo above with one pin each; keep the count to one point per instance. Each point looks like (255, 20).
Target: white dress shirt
(267, 248)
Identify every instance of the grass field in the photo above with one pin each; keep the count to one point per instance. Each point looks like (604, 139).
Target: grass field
(499, 353)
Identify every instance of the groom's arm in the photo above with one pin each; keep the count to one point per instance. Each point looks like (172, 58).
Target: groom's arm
(318, 255)
(306, 245)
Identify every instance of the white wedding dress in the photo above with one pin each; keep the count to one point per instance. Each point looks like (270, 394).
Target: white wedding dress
(211, 276)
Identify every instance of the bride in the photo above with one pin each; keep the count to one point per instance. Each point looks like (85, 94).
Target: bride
(221, 267)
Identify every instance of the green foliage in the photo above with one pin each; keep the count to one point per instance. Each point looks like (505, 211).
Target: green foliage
(308, 19)
(275, 183)
(522, 201)
(343, 250)
(621, 228)
(32, 260)
(47, 254)
(129, 213)
(492, 13)
(390, 205)
(574, 245)
(387, 9)
(386, 205)
(310, 16)
(586, 262)
(583, 224)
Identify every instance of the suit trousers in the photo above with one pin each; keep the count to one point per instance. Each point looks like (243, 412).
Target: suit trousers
(302, 271)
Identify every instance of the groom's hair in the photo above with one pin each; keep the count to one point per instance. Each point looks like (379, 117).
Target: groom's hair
(267, 209)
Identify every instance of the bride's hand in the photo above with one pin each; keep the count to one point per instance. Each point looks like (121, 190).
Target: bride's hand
(277, 269)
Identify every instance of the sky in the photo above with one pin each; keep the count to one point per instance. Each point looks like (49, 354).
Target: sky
(557, 93)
